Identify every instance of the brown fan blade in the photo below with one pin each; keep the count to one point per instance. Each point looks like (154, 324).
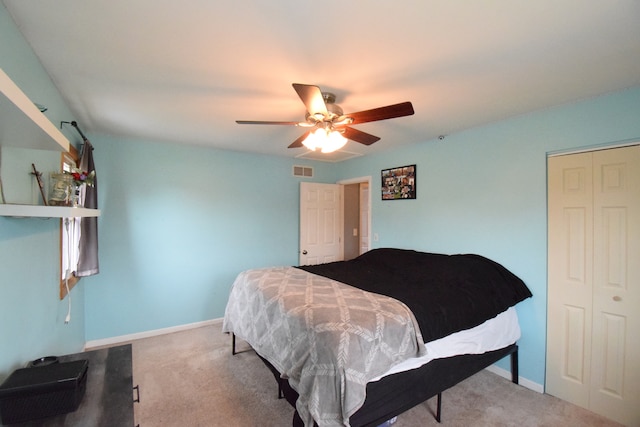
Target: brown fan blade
(311, 96)
(298, 142)
(382, 113)
(359, 136)
(257, 122)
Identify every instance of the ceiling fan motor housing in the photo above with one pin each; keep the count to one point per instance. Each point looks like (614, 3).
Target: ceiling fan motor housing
(333, 110)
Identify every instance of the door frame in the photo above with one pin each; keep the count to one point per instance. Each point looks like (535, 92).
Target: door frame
(360, 180)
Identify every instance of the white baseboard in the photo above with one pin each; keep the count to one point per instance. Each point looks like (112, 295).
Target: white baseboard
(147, 334)
(522, 381)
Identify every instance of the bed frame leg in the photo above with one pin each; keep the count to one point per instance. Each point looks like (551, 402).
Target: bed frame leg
(439, 407)
(514, 366)
(233, 344)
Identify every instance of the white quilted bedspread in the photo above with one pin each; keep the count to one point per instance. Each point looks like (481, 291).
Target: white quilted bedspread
(328, 338)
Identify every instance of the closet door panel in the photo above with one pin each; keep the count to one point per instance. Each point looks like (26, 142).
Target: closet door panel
(570, 278)
(615, 388)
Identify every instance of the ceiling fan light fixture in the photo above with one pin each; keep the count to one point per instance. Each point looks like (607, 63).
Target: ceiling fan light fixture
(327, 140)
(333, 142)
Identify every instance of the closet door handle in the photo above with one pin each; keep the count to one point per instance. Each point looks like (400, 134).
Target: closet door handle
(304, 252)
(617, 298)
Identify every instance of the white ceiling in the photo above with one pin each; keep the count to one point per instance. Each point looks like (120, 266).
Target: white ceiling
(184, 71)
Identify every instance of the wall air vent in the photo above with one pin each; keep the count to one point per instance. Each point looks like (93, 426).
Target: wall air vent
(303, 171)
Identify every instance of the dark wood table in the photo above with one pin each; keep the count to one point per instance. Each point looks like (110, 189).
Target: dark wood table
(109, 396)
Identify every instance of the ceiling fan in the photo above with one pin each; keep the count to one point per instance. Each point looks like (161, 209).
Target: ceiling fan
(325, 118)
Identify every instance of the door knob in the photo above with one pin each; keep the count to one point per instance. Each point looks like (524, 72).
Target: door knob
(304, 252)
(617, 298)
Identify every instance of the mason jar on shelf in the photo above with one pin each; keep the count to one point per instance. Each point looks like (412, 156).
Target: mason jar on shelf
(62, 190)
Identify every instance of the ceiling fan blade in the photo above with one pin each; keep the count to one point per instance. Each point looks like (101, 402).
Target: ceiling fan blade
(359, 136)
(298, 142)
(311, 96)
(258, 122)
(382, 113)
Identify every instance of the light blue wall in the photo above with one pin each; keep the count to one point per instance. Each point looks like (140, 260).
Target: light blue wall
(31, 314)
(178, 224)
(484, 191)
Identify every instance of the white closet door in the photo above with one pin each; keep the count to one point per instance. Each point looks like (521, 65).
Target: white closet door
(570, 279)
(593, 344)
(615, 360)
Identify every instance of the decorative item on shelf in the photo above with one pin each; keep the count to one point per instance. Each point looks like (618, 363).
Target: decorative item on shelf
(81, 177)
(66, 186)
(38, 176)
(41, 107)
(61, 189)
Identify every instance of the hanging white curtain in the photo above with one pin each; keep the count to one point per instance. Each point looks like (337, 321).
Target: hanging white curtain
(70, 251)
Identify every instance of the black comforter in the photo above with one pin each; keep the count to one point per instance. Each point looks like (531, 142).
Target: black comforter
(446, 293)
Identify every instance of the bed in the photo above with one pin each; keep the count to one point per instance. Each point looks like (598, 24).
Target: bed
(358, 342)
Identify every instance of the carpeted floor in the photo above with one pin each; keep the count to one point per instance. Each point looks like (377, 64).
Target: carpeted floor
(191, 379)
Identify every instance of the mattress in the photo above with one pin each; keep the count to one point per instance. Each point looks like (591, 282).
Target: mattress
(495, 333)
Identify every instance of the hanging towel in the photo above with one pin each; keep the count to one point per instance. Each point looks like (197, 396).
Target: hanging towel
(88, 264)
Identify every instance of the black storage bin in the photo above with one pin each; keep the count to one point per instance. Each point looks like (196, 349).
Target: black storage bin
(42, 391)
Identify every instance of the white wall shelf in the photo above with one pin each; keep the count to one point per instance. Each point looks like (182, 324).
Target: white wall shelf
(28, 211)
(23, 125)
(21, 122)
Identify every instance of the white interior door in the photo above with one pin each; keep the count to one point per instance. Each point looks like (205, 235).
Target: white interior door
(320, 223)
(593, 350)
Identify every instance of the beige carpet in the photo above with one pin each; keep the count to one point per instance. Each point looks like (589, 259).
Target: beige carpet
(190, 379)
